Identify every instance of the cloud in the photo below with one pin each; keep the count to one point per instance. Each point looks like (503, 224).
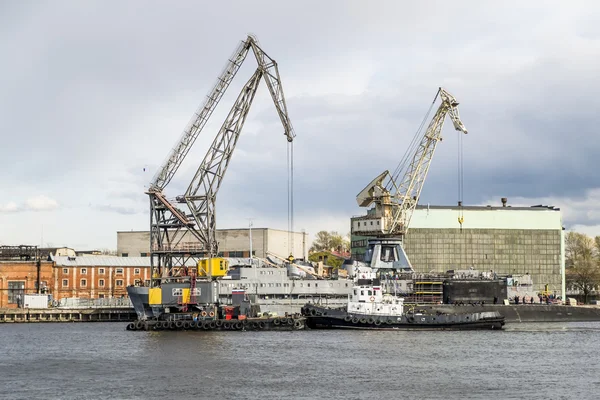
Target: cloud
(357, 83)
(37, 203)
(9, 207)
(41, 203)
(118, 209)
(579, 213)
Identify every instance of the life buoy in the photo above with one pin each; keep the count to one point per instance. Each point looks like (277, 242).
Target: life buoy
(203, 313)
(211, 314)
(372, 298)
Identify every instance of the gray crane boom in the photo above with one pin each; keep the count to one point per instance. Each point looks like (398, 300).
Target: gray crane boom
(177, 236)
(194, 127)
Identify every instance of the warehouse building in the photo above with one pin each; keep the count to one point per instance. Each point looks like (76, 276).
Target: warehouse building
(232, 243)
(506, 240)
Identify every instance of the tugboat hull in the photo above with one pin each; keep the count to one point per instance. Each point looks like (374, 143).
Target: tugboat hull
(325, 318)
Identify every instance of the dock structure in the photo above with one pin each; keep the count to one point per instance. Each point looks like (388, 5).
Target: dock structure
(24, 315)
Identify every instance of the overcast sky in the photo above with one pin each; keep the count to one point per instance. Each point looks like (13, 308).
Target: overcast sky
(93, 93)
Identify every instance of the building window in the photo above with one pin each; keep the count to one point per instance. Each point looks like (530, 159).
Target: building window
(136, 271)
(125, 255)
(119, 271)
(101, 282)
(147, 282)
(220, 254)
(16, 290)
(101, 271)
(83, 283)
(143, 254)
(65, 283)
(239, 254)
(119, 282)
(66, 271)
(83, 271)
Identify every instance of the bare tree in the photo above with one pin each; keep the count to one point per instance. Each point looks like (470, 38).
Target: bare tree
(583, 262)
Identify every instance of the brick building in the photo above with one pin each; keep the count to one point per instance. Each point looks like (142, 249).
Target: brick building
(18, 278)
(71, 277)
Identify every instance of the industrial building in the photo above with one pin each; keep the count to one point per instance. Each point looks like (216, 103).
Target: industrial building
(232, 243)
(64, 277)
(506, 240)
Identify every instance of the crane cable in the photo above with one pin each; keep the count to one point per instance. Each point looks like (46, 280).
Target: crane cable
(412, 147)
(461, 217)
(290, 194)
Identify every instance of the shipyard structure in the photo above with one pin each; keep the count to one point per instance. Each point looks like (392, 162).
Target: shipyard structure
(232, 243)
(503, 240)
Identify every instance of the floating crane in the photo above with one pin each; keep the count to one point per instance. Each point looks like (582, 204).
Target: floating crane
(388, 221)
(171, 246)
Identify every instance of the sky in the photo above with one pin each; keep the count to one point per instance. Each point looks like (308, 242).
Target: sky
(95, 94)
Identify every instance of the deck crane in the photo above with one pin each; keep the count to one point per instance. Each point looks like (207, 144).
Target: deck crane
(388, 221)
(178, 236)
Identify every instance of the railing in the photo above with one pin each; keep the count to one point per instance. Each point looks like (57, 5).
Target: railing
(185, 246)
(74, 302)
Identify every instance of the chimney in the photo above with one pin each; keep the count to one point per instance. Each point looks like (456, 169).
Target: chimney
(504, 200)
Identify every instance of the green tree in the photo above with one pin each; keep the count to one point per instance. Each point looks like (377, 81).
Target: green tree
(322, 241)
(330, 241)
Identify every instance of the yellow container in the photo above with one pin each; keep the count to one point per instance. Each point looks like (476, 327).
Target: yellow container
(155, 296)
(213, 267)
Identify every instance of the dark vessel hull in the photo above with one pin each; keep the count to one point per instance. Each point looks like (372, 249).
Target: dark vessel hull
(326, 318)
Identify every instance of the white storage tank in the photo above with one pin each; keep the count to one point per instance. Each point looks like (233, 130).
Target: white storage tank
(35, 301)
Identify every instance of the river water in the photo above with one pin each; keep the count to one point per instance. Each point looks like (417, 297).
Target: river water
(104, 361)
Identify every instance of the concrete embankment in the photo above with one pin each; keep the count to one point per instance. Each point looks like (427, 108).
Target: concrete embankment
(531, 313)
(67, 315)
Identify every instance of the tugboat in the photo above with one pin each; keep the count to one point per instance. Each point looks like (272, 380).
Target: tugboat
(370, 308)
